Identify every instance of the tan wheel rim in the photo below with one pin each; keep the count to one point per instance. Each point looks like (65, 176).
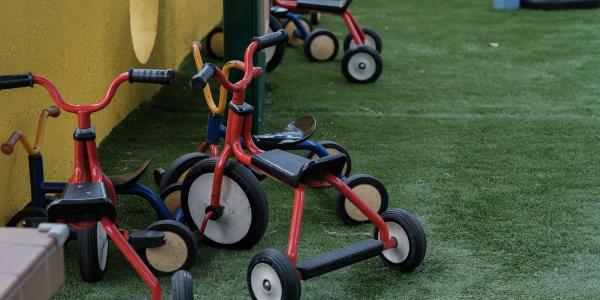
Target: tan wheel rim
(173, 201)
(217, 44)
(290, 27)
(143, 23)
(182, 177)
(370, 196)
(321, 48)
(169, 257)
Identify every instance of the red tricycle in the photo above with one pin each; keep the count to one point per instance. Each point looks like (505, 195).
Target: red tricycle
(87, 202)
(362, 46)
(398, 238)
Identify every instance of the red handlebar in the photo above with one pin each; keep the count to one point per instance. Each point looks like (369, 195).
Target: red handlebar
(249, 73)
(72, 108)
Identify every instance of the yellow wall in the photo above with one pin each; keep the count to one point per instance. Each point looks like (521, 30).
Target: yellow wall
(80, 46)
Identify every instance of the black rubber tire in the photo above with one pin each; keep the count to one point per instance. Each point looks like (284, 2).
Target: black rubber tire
(338, 147)
(416, 236)
(185, 234)
(183, 285)
(250, 186)
(90, 267)
(292, 40)
(354, 181)
(376, 59)
(370, 32)
(210, 43)
(28, 212)
(179, 166)
(311, 39)
(286, 272)
(172, 204)
(279, 53)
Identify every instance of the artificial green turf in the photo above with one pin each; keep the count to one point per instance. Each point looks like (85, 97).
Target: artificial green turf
(494, 149)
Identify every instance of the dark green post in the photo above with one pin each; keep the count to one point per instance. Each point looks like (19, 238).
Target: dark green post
(243, 20)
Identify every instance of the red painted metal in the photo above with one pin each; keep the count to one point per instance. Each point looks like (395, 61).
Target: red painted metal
(205, 221)
(296, 224)
(202, 148)
(131, 256)
(375, 218)
(286, 4)
(215, 197)
(81, 109)
(214, 150)
(355, 30)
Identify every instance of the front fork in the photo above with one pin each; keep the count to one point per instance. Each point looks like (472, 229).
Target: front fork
(358, 35)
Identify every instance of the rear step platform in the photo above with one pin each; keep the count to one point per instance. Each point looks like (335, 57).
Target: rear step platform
(339, 258)
(292, 169)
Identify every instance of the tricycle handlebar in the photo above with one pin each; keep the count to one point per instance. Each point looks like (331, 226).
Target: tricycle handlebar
(200, 80)
(16, 81)
(9, 146)
(164, 77)
(272, 39)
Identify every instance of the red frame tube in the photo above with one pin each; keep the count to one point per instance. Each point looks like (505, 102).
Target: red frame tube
(296, 224)
(358, 35)
(131, 256)
(375, 218)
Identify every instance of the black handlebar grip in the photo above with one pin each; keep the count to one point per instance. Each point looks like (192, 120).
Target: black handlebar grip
(272, 39)
(16, 81)
(164, 77)
(200, 80)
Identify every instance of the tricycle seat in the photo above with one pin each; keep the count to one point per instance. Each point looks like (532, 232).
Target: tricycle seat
(296, 132)
(336, 6)
(278, 11)
(126, 181)
(293, 169)
(82, 202)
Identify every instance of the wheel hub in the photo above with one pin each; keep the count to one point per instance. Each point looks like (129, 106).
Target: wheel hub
(267, 285)
(362, 66)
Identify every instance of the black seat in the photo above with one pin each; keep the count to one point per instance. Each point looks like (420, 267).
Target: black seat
(292, 169)
(336, 6)
(125, 181)
(296, 132)
(82, 202)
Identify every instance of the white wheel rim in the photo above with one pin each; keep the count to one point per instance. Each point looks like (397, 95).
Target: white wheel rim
(369, 42)
(171, 256)
(362, 66)
(322, 47)
(269, 52)
(235, 222)
(102, 244)
(400, 253)
(370, 196)
(265, 282)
